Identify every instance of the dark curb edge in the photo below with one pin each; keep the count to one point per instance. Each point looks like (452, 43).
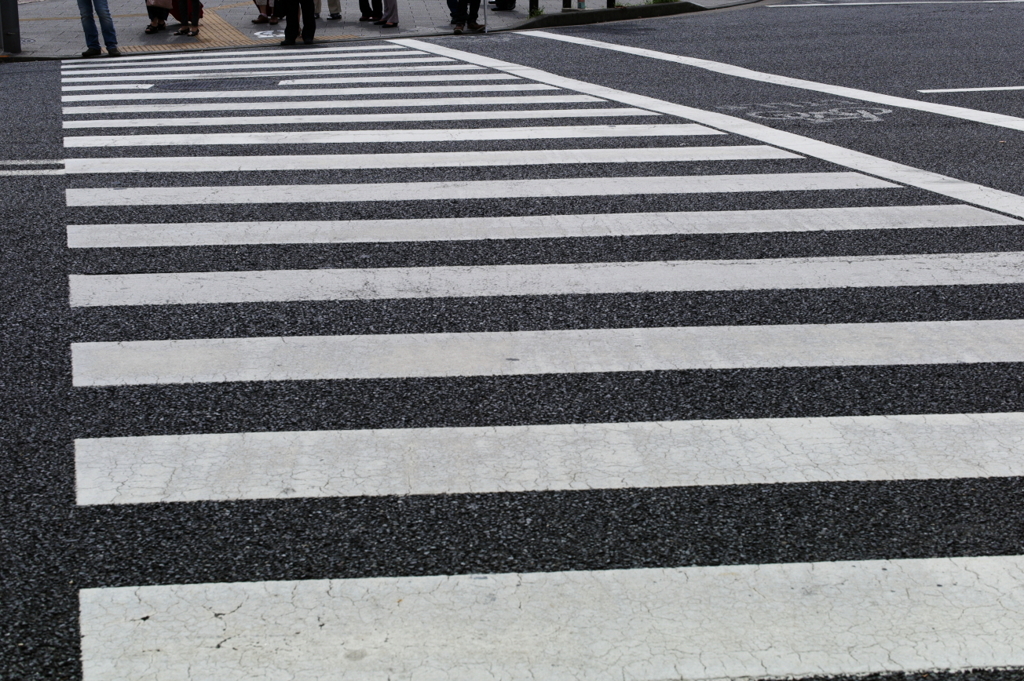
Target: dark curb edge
(578, 18)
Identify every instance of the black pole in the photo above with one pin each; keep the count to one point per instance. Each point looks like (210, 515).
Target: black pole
(566, 5)
(534, 7)
(9, 26)
(611, 4)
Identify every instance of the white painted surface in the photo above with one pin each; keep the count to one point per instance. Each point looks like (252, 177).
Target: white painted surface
(489, 189)
(940, 184)
(392, 135)
(732, 621)
(346, 463)
(321, 69)
(195, 107)
(187, 57)
(909, 2)
(127, 86)
(291, 60)
(300, 119)
(327, 92)
(32, 162)
(447, 159)
(529, 226)
(974, 115)
(203, 288)
(976, 89)
(295, 358)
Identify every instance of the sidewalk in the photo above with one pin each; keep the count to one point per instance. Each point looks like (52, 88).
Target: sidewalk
(52, 28)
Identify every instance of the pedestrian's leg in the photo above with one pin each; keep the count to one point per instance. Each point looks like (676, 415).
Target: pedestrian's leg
(291, 25)
(92, 36)
(474, 12)
(390, 17)
(106, 24)
(308, 22)
(378, 8)
(317, 6)
(334, 7)
(157, 18)
(453, 9)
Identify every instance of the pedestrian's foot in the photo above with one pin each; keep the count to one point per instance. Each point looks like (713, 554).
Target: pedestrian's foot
(92, 52)
(334, 17)
(459, 28)
(194, 32)
(285, 43)
(307, 41)
(182, 30)
(274, 20)
(476, 28)
(389, 25)
(316, 16)
(261, 19)
(113, 52)
(367, 19)
(379, 22)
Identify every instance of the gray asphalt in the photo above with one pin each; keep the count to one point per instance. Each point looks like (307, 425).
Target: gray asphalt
(54, 548)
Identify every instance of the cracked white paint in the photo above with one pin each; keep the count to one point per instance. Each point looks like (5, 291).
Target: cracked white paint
(646, 624)
(194, 107)
(215, 360)
(444, 159)
(418, 116)
(409, 135)
(464, 190)
(186, 288)
(220, 467)
(529, 226)
(328, 92)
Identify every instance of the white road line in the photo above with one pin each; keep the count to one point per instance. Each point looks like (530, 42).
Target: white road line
(392, 136)
(261, 286)
(910, 2)
(299, 119)
(14, 173)
(33, 162)
(450, 159)
(227, 75)
(975, 89)
(529, 226)
(973, 115)
(279, 61)
(406, 56)
(299, 358)
(349, 463)
(126, 86)
(331, 92)
(699, 623)
(968, 192)
(462, 190)
(196, 107)
(199, 56)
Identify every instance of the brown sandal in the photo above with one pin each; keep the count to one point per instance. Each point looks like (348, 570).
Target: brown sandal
(261, 19)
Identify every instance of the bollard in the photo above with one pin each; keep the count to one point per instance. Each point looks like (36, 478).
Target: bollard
(10, 31)
(611, 4)
(566, 5)
(534, 7)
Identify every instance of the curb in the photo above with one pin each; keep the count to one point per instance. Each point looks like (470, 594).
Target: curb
(561, 19)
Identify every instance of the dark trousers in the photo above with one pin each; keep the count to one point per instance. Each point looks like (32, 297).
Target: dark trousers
(468, 11)
(291, 29)
(453, 8)
(158, 13)
(371, 8)
(190, 11)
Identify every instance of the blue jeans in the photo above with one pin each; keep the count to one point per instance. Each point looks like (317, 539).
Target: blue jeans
(92, 38)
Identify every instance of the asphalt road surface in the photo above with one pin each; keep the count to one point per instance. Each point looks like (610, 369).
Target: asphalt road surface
(674, 349)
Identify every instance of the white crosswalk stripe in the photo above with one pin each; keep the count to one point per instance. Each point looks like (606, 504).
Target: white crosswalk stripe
(482, 215)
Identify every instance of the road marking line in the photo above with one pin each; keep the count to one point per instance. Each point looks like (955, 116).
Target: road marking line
(190, 56)
(263, 286)
(702, 623)
(33, 162)
(129, 86)
(392, 136)
(529, 226)
(300, 358)
(464, 190)
(450, 159)
(973, 115)
(236, 62)
(401, 461)
(380, 59)
(968, 192)
(195, 107)
(13, 173)
(975, 89)
(332, 92)
(910, 2)
(500, 114)
(227, 75)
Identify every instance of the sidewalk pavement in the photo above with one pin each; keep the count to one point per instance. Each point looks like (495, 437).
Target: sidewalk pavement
(52, 28)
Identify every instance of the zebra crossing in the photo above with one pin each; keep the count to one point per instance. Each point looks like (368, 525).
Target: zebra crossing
(461, 295)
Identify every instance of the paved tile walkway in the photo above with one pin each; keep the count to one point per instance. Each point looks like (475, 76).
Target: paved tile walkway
(52, 28)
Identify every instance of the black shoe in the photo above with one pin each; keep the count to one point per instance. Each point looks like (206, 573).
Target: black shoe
(285, 43)
(379, 23)
(113, 52)
(459, 28)
(306, 41)
(92, 52)
(316, 16)
(334, 17)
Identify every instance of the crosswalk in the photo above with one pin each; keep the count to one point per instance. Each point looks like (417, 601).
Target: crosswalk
(286, 307)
